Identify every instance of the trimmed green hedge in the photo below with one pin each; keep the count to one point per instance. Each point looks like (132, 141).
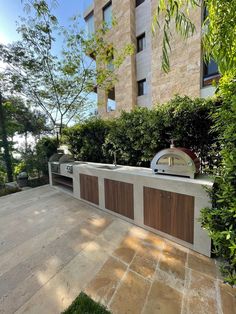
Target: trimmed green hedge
(138, 135)
(86, 140)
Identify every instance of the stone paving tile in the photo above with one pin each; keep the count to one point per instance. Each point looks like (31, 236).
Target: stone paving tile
(26, 249)
(170, 279)
(143, 266)
(180, 253)
(79, 255)
(202, 264)
(153, 253)
(61, 250)
(173, 265)
(201, 285)
(130, 295)
(124, 253)
(32, 226)
(228, 299)
(104, 284)
(201, 295)
(163, 299)
(58, 293)
(197, 305)
(23, 281)
(127, 249)
(153, 241)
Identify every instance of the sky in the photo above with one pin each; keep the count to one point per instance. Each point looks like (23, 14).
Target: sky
(10, 10)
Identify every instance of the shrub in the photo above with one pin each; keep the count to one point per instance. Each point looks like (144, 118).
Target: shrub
(86, 139)
(220, 221)
(45, 148)
(137, 136)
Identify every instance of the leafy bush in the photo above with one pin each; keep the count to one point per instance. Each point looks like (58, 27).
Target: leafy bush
(45, 148)
(35, 161)
(220, 221)
(86, 139)
(137, 136)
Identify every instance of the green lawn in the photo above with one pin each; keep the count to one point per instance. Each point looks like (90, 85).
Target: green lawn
(83, 304)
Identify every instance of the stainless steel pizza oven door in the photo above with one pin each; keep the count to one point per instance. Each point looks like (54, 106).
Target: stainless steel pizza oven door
(176, 161)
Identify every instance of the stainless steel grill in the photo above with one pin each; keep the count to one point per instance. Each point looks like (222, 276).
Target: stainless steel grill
(57, 159)
(176, 161)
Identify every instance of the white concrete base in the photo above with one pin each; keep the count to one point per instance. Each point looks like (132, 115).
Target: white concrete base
(141, 177)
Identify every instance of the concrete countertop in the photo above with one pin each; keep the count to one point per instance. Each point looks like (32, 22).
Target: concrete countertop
(145, 172)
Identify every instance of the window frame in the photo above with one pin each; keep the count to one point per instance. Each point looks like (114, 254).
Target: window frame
(138, 3)
(141, 37)
(91, 14)
(143, 89)
(106, 6)
(111, 95)
(207, 79)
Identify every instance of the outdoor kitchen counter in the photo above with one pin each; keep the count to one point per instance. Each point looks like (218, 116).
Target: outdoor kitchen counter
(167, 205)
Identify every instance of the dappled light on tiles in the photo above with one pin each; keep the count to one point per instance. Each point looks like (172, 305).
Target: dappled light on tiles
(51, 266)
(98, 222)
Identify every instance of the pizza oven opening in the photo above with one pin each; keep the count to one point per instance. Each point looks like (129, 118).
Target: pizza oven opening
(176, 161)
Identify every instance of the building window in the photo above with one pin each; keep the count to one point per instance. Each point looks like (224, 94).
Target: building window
(141, 42)
(138, 2)
(142, 87)
(210, 69)
(111, 101)
(90, 24)
(210, 72)
(107, 14)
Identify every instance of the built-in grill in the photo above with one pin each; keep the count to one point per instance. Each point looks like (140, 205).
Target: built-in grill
(176, 161)
(57, 159)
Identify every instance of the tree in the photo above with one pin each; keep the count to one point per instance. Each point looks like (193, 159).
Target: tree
(5, 144)
(58, 83)
(219, 29)
(24, 119)
(17, 118)
(219, 43)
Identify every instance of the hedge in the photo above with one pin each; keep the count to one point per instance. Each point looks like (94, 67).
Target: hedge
(86, 140)
(220, 220)
(138, 135)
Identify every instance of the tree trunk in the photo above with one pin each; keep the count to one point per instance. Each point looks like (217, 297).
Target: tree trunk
(26, 141)
(5, 144)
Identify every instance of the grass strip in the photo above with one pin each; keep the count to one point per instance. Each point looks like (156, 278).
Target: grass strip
(83, 304)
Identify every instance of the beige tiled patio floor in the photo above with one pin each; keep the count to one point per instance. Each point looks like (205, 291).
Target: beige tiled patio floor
(52, 246)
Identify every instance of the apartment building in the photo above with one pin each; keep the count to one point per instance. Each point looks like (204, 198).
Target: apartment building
(141, 82)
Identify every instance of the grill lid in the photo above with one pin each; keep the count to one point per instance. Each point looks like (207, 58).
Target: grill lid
(178, 161)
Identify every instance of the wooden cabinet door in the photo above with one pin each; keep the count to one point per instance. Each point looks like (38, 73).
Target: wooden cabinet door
(119, 197)
(182, 216)
(89, 188)
(157, 209)
(169, 212)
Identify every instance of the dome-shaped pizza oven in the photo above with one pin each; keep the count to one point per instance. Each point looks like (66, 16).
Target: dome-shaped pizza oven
(176, 161)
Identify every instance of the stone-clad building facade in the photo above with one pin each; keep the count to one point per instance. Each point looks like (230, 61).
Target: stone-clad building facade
(141, 82)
